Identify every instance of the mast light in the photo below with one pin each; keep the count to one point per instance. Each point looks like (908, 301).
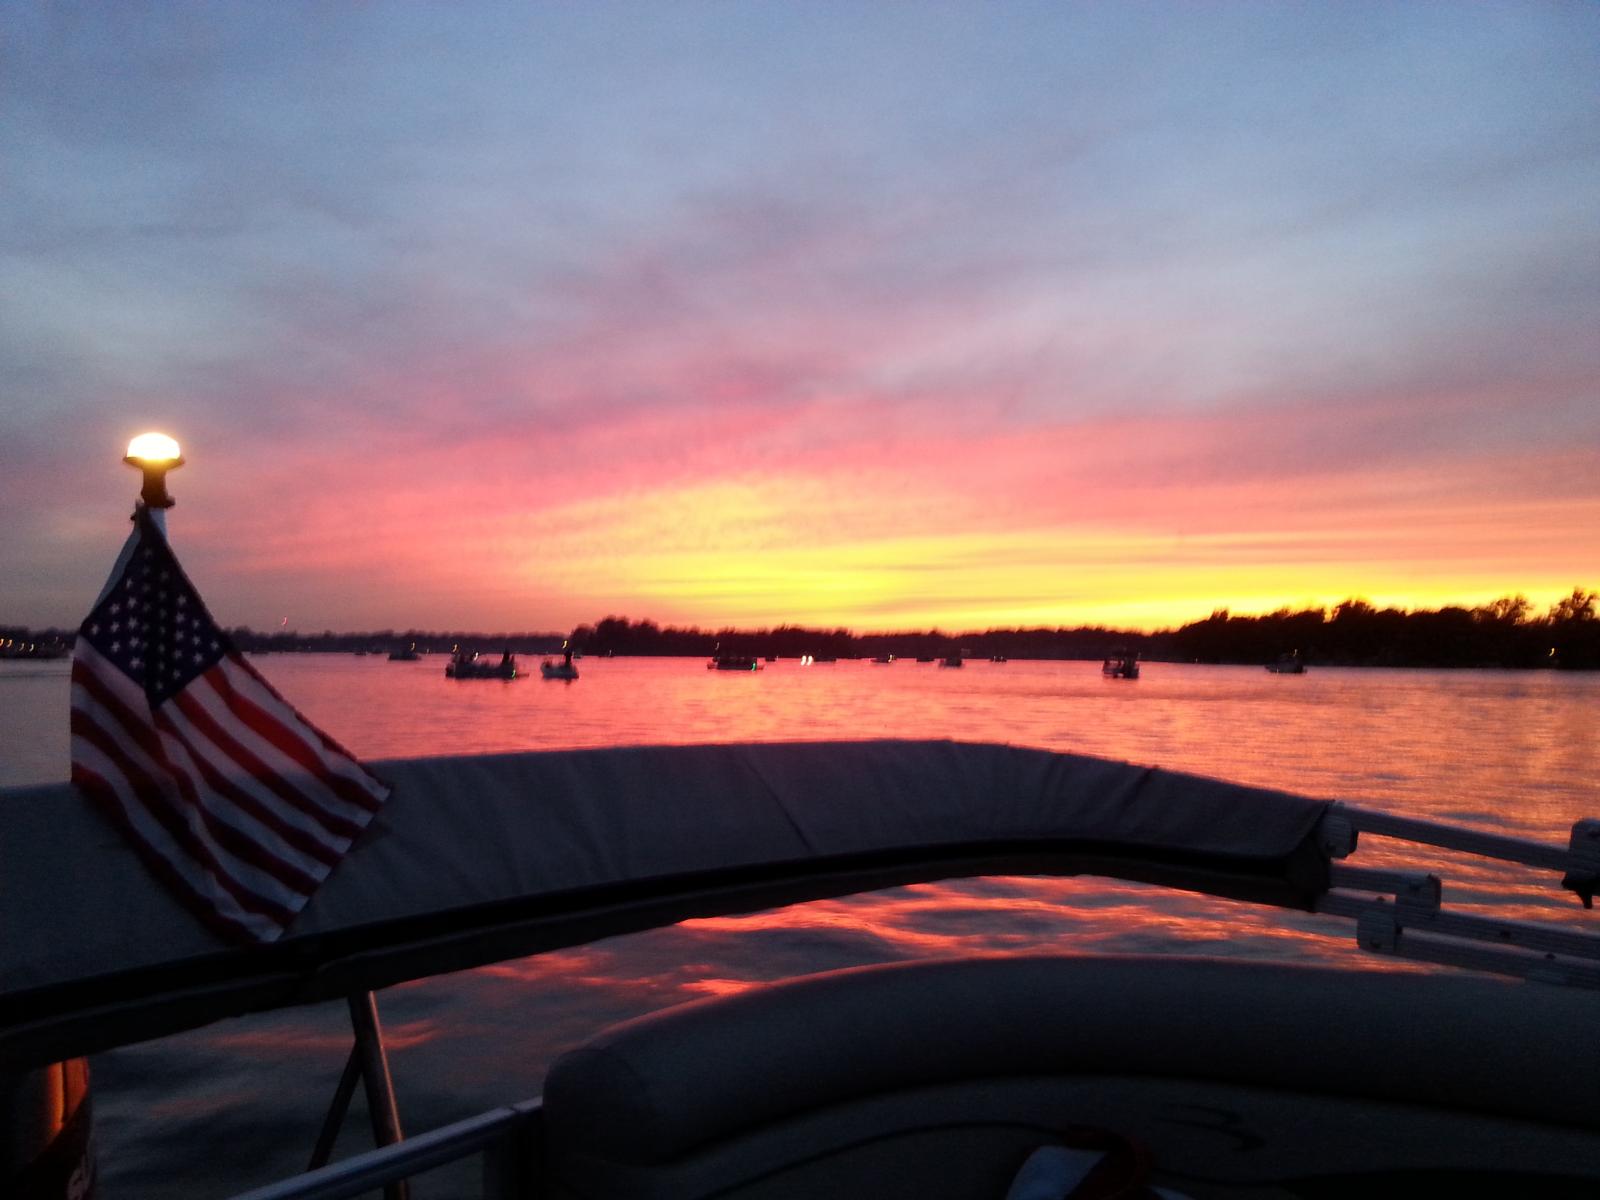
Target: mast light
(155, 454)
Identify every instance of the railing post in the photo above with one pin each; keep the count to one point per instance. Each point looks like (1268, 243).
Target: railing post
(337, 1110)
(381, 1107)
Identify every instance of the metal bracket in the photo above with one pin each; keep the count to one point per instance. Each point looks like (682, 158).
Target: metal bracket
(1336, 834)
(1406, 917)
(369, 1063)
(1378, 931)
(1415, 891)
(1417, 898)
(1416, 927)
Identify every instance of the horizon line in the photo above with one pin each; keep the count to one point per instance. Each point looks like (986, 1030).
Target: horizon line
(1285, 610)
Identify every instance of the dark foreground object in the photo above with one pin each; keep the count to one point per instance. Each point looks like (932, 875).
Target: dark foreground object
(937, 1079)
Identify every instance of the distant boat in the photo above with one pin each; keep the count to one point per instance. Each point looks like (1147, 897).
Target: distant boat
(550, 669)
(925, 658)
(825, 658)
(733, 662)
(955, 660)
(998, 658)
(884, 660)
(464, 665)
(16, 648)
(409, 654)
(1122, 664)
(1288, 664)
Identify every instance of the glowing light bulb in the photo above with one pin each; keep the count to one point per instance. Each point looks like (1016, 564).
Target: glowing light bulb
(154, 448)
(155, 454)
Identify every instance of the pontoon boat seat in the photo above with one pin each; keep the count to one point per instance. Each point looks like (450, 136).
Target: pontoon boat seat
(931, 1080)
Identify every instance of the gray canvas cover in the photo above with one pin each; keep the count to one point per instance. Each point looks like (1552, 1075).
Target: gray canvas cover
(482, 858)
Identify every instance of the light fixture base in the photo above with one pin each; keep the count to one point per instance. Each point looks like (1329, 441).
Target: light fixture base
(154, 493)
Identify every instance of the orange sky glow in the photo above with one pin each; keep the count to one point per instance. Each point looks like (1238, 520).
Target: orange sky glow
(1120, 524)
(1072, 315)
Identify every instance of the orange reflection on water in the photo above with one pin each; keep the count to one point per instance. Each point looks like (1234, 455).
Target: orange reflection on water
(720, 987)
(1043, 915)
(576, 964)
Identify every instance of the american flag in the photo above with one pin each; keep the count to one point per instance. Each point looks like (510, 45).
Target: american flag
(238, 803)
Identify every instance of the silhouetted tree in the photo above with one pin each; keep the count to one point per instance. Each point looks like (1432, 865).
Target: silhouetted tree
(1574, 629)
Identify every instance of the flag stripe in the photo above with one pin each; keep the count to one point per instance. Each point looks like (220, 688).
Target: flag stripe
(153, 799)
(335, 755)
(214, 761)
(111, 791)
(250, 885)
(189, 755)
(274, 744)
(204, 787)
(232, 798)
(283, 737)
(169, 864)
(195, 705)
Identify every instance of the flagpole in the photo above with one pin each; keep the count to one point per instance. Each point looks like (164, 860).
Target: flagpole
(204, 811)
(50, 1152)
(154, 454)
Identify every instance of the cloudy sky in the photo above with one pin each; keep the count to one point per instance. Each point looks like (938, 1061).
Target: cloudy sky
(883, 315)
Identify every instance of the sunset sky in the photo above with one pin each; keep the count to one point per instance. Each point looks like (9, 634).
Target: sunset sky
(879, 315)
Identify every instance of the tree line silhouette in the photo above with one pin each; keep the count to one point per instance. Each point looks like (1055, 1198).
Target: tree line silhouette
(1504, 633)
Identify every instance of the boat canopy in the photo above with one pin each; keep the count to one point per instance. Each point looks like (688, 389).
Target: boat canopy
(479, 859)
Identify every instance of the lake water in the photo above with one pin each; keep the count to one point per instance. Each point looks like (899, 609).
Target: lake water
(224, 1108)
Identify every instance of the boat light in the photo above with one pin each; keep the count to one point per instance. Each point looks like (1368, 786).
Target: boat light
(154, 447)
(155, 454)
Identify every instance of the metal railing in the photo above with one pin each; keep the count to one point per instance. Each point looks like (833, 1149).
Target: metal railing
(1396, 912)
(496, 1134)
(1406, 918)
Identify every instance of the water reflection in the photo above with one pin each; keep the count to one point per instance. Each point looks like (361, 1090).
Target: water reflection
(1515, 751)
(1510, 752)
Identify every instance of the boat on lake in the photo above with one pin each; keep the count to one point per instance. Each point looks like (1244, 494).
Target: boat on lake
(565, 669)
(954, 660)
(19, 648)
(734, 662)
(946, 1079)
(1288, 664)
(465, 664)
(1121, 664)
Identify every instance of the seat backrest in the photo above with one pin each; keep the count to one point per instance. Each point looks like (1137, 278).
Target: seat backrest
(924, 1070)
